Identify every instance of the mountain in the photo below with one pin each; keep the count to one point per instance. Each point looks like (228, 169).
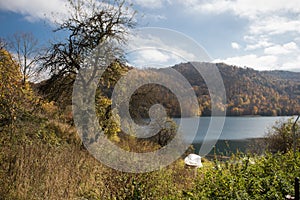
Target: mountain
(248, 91)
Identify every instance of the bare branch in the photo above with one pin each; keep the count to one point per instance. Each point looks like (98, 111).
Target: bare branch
(26, 49)
(90, 23)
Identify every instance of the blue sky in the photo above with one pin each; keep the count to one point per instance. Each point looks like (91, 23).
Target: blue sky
(261, 34)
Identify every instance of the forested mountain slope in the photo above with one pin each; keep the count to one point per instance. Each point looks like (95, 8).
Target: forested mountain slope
(249, 92)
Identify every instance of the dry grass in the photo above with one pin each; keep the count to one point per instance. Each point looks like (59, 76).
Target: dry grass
(43, 158)
(41, 171)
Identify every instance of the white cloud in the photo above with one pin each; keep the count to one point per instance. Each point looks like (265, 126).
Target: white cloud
(149, 49)
(154, 17)
(283, 57)
(235, 45)
(292, 65)
(277, 50)
(291, 46)
(36, 9)
(257, 8)
(215, 7)
(281, 49)
(164, 43)
(297, 39)
(51, 10)
(151, 4)
(267, 16)
(275, 25)
(152, 57)
(258, 45)
(243, 8)
(256, 42)
(162, 46)
(257, 62)
(267, 20)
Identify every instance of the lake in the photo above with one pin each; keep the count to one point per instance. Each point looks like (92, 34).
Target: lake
(237, 130)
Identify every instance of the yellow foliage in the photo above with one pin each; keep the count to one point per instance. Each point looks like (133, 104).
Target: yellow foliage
(10, 86)
(50, 108)
(15, 96)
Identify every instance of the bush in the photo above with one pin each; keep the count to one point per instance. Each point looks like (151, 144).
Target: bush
(246, 177)
(280, 137)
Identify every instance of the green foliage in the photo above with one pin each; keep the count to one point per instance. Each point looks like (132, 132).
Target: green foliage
(248, 177)
(167, 132)
(271, 177)
(44, 164)
(280, 137)
(108, 120)
(22, 113)
(163, 184)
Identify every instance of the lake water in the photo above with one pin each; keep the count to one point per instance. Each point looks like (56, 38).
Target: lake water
(235, 129)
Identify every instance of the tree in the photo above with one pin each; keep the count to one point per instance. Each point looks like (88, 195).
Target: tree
(10, 90)
(16, 98)
(26, 48)
(168, 130)
(280, 137)
(90, 23)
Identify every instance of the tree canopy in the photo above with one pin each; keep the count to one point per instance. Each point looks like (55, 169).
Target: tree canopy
(10, 88)
(90, 23)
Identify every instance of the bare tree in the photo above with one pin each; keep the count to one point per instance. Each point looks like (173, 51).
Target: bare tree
(3, 44)
(26, 49)
(90, 23)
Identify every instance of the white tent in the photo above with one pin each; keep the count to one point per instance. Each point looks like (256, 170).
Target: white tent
(193, 160)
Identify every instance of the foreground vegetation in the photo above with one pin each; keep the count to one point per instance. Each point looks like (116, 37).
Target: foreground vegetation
(36, 169)
(42, 157)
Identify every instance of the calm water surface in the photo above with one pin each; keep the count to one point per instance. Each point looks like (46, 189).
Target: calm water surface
(235, 128)
(236, 131)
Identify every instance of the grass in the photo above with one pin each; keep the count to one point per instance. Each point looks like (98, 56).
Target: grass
(40, 171)
(44, 160)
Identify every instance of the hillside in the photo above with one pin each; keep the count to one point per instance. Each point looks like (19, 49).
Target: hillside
(249, 92)
(42, 155)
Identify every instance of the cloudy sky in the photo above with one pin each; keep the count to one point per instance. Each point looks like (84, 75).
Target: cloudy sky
(262, 34)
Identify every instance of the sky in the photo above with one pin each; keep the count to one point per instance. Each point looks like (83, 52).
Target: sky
(261, 34)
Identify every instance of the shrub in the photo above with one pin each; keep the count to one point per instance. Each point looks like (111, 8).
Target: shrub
(247, 177)
(280, 137)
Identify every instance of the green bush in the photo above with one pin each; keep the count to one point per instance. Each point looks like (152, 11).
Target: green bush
(248, 177)
(280, 137)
